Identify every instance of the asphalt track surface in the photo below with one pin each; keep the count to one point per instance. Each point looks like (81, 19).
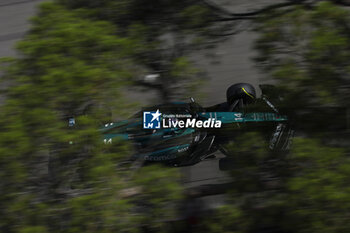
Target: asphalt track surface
(233, 63)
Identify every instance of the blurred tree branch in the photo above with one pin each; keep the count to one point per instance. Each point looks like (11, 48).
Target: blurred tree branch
(225, 15)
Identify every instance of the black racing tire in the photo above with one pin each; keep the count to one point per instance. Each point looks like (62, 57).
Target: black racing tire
(243, 91)
(281, 138)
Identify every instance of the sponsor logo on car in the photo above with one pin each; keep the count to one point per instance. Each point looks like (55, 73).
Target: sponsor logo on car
(183, 149)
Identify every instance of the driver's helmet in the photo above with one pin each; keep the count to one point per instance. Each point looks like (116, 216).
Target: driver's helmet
(244, 91)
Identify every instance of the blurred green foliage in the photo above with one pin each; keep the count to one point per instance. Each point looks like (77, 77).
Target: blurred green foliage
(167, 33)
(306, 52)
(305, 191)
(60, 179)
(77, 57)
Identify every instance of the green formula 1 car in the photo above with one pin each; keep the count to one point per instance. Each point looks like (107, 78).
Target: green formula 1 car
(181, 134)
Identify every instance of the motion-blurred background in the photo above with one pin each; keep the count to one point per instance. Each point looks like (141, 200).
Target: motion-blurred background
(120, 55)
